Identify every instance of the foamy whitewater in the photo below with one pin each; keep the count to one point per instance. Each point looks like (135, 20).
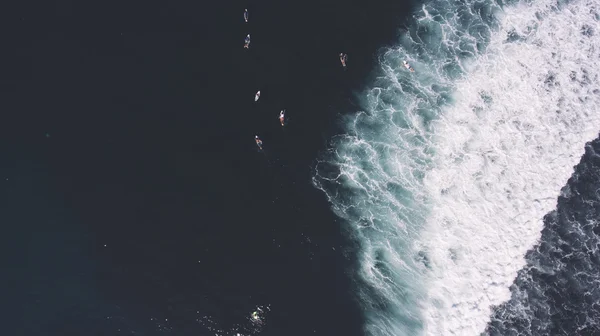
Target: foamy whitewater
(446, 175)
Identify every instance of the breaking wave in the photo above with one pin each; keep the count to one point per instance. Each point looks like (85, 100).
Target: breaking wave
(445, 176)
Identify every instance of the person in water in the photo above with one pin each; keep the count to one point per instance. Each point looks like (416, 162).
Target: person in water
(343, 58)
(247, 42)
(407, 66)
(282, 117)
(258, 143)
(246, 15)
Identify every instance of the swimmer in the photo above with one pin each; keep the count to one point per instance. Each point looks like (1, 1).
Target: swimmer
(407, 66)
(282, 117)
(343, 58)
(247, 42)
(246, 15)
(259, 144)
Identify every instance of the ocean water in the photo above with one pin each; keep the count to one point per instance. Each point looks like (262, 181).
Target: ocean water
(445, 174)
(556, 293)
(436, 202)
(134, 199)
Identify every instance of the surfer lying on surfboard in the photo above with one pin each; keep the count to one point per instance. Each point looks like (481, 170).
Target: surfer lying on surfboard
(256, 96)
(343, 58)
(407, 66)
(247, 42)
(258, 141)
(282, 117)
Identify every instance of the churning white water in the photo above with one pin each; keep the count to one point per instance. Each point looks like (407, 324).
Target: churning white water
(445, 176)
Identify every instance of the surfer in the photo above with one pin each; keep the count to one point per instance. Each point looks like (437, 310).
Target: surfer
(343, 58)
(247, 42)
(282, 117)
(246, 15)
(259, 144)
(407, 66)
(257, 95)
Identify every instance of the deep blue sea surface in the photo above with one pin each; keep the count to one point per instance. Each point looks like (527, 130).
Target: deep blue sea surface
(444, 201)
(134, 200)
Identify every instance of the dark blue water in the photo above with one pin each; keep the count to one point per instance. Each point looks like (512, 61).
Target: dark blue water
(134, 200)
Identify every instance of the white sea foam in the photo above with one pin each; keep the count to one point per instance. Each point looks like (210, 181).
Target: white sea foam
(500, 164)
(446, 176)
